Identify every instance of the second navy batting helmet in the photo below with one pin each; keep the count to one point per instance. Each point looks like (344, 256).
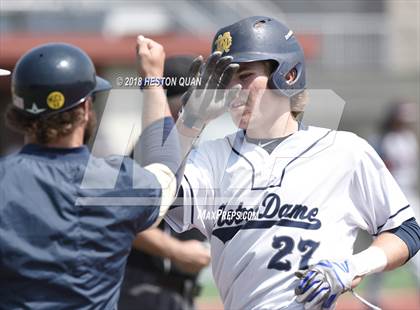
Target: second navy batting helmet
(52, 78)
(259, 38)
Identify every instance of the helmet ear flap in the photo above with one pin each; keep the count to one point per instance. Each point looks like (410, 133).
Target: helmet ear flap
(278, 80)
(273, 77)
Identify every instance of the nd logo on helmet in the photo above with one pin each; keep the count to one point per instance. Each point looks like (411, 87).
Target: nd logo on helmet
(223, 42)
(55, 100)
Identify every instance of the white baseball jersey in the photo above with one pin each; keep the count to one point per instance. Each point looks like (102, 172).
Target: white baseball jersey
(268, 215)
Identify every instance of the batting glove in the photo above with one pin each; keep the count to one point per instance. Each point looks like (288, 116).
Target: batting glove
(210, 99)
(321, 284)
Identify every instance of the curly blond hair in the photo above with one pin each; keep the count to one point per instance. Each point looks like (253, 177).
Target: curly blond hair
(298, 103)
(45, 130)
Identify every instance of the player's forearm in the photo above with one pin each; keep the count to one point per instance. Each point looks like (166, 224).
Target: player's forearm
(159, 150)
(395, 249)
(155, 106)
(155, 242)
(387, 252)
(150, 63)
(391, 249)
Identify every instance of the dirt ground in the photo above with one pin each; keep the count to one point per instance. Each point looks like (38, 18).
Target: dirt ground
(400, 301)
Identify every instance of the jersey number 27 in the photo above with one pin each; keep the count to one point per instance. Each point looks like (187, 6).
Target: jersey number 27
(285, 246)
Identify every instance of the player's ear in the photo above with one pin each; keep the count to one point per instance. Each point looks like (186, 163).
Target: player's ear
(291, 76)
(87, 107)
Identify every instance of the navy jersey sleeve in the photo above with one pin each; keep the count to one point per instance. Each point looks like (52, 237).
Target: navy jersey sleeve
(144, 196)
(123, 186)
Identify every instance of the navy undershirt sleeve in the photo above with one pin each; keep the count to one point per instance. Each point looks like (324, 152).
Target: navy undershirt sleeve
(159, 143)
(409, 232)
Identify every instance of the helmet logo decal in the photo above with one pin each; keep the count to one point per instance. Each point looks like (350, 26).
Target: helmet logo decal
(288, 35)
(34, 109)
(55, 100)
(223, 42)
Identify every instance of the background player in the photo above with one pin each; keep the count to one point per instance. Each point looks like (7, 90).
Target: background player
(398, 148)
(163, 266)
(310, 188)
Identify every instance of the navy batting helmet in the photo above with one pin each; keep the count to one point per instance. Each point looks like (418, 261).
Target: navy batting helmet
(52, 78)
(259, 38)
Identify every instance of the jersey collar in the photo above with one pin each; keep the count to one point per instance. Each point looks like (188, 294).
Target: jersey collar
(241, 137)
(44, 151)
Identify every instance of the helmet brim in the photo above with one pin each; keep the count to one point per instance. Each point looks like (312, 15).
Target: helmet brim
(252, 56)
(101, 85)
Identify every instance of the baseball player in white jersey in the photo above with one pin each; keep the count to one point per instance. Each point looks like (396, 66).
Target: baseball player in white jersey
(280, 202)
